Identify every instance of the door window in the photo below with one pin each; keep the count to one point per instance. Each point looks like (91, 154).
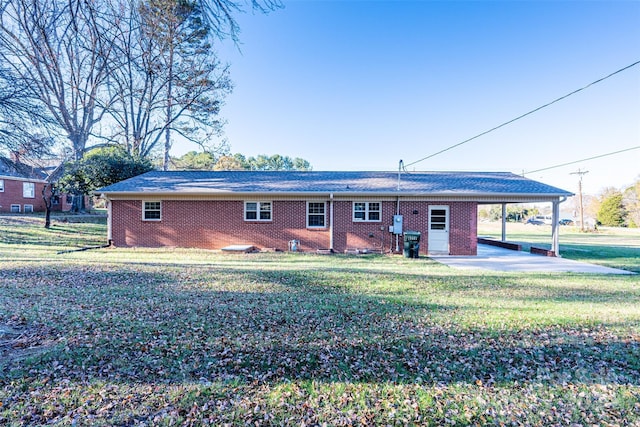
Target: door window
(438, 219)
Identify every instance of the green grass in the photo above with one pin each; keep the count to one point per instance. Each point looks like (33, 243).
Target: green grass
(67, 232)
(177, 336)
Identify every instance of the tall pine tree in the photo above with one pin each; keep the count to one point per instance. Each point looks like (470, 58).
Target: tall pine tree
(166, 78)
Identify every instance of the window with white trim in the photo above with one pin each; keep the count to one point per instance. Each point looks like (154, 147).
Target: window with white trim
(367, 211)
(1, 185)
(28, 208)
(15, 208)
(316, 214)
(257, 211)
(28, 190)
(151, 211)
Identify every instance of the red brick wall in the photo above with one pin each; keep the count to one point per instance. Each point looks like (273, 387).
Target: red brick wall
(215, 224)
(357, 235)
(12, 195)
(361, 235)
(463, 233)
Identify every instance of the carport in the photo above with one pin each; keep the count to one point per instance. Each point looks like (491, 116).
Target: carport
(554, 199)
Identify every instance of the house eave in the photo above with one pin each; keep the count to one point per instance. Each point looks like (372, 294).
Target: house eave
(23, 179)
(480, 197)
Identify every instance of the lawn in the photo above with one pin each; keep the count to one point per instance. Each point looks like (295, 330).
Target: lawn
(191, 337)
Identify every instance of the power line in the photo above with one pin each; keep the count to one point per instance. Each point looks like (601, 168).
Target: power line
(525, 114)
(582, 160)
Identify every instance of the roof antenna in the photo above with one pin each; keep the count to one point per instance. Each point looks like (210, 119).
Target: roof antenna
(400, 167)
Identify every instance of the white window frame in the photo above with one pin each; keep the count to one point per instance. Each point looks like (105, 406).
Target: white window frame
(28, 190)
(1, 185)
(258, 211)
(28, 209)
(323, 214)
(367, 211)
(17, 207)
(146, 209)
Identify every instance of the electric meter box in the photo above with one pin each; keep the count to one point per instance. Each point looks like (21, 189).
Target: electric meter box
(397, 224)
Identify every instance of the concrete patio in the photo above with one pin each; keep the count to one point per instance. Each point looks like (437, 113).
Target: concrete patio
(499, 259)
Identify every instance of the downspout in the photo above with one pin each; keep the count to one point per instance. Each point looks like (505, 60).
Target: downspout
(109, 222)
(398, 213)
(331, 222)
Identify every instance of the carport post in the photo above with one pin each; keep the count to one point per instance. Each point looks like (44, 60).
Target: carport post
(555, 229)
(504, 222)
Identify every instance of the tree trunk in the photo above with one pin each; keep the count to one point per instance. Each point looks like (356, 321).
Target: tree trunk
(167, 137)
(47, 204)
(47, 217)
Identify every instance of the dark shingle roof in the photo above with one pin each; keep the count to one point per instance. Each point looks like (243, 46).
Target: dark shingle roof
(423, 183)
(20, 170)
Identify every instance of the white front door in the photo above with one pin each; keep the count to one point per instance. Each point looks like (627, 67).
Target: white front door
(439, 230)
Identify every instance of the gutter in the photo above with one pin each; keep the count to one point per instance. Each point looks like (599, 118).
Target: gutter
(19, 178)
(394, 194)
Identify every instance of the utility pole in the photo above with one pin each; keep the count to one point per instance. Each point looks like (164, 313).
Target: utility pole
(580, 174)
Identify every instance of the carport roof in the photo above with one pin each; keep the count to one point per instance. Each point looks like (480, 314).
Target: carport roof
(455, 184)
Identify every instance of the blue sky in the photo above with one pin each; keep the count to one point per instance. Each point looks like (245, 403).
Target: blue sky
(359, 85)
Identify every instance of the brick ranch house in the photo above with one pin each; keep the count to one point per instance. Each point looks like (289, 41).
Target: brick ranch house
(337, 211)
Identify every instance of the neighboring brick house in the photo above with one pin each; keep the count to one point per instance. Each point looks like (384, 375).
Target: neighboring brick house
(338, 211)
(20, 187)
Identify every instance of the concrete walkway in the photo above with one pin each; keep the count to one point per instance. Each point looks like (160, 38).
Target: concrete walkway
(499, 259)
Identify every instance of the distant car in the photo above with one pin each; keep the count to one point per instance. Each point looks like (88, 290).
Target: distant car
(534, 221)
(565, 221)
(546, 219)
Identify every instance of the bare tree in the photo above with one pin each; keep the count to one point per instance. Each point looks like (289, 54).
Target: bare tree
(59, 67)
(22, 125)
(133, 81)
(22, 119)
(64, 51)
(57, 48)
